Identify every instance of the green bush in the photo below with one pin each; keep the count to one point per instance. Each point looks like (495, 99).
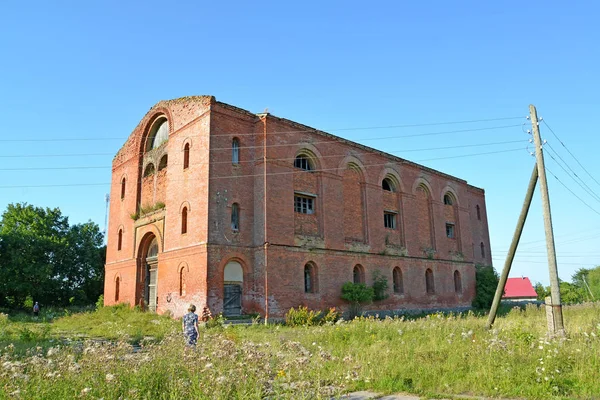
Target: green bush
(486, 282)
(331, 316)
(100, 302)
(216, 321)
(357, 294)
(302, 317)
(380, 286)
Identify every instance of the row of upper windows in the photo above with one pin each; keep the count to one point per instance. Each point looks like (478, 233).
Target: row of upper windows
(358, 277)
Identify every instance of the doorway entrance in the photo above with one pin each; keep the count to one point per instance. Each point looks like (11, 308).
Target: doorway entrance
(233, 280)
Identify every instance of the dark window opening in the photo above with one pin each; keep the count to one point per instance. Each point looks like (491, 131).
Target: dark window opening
(149, 170)
(309, 279)
(358, 275)
(304, 204)
(448, 200)
(389, 220)
(398, 283)
(123, 189)
(182, 282)
(120, 239)
(184, 215)
(117, 288)
(429, 281)
(450, 231)
(163, 162)
(186, 156)
(235, 217)
(478, 212)
(303, 162)
(388, 185)
(457, 282)
(235, 151)
(482, 246)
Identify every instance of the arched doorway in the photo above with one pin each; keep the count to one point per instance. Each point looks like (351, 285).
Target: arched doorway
(233, 280)
(147, 273)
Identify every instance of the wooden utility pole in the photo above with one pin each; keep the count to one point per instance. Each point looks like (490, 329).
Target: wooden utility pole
(554, 287)
(513, 247)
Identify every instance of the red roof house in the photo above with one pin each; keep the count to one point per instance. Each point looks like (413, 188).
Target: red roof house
(519, 289)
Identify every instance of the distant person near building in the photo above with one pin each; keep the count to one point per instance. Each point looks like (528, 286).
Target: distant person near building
(36, 309)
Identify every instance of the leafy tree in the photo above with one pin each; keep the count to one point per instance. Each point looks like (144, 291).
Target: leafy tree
(357, 294)
(571, 294)
(43, 257)
(593, 280)
(542, 292)
(486, 282)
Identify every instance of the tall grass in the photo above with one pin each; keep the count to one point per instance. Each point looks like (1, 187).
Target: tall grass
(432, 356)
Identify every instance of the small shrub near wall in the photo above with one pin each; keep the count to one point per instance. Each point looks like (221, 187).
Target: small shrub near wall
(302, 316)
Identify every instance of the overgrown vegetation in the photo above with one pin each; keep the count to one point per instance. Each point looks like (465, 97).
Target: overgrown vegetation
(585, 286)
(380, 286)
(486, 282)
(435, 356)
(145, 209)
(356, 294)
(302, 316)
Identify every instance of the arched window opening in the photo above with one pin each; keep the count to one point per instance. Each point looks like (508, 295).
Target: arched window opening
(235, 217)
(358, 274)
(184, 216)
(235, 151)
(303, 162)
(388, 185)
(120, 239)
(186, 156)
(182, 282)
(398, 283)
(457, 282)
(478, 212)
(310, 279)
(117, 288)
(123, 188)
(482, 247)
(149, 170)
(158, 134)
(448, 200)
(429, 281)
(163, 162)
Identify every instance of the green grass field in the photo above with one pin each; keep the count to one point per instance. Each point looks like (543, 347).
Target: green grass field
(65, 357)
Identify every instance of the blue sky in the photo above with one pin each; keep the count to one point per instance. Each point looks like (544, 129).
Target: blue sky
(91, 70)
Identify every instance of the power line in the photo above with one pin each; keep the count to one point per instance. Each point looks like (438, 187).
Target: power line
(288, 158)
(294, 171)
(280, 132)
(581, 184)
(572, 155)
(573, 193)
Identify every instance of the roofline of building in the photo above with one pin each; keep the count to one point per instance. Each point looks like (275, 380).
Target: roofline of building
(349, 142)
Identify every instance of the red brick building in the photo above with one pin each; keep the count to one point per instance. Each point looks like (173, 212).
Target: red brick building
(189, 217)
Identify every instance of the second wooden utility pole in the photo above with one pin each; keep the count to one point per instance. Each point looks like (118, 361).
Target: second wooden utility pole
(554, 286)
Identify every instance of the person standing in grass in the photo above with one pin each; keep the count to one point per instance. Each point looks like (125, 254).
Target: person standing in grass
(190, 325)
(36, 309)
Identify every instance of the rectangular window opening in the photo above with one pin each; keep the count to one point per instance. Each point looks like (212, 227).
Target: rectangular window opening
(450, 231)
(304, 204)
(389, 220)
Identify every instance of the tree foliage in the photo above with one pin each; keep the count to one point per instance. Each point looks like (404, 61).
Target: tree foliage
(44, 257)
(357, 294)
(486, 282)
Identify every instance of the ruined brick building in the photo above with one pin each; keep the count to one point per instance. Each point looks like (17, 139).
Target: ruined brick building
(190, 216)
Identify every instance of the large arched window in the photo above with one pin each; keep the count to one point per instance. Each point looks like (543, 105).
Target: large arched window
(457, 282)
(235, 217)
(310, 278)
(120, 239)
(184, 217)
(117, 288)
(235, 151)
(123, 182)
(429, 284)
(398, 282)
(158, 134)
(186, 156)
(358, 274)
